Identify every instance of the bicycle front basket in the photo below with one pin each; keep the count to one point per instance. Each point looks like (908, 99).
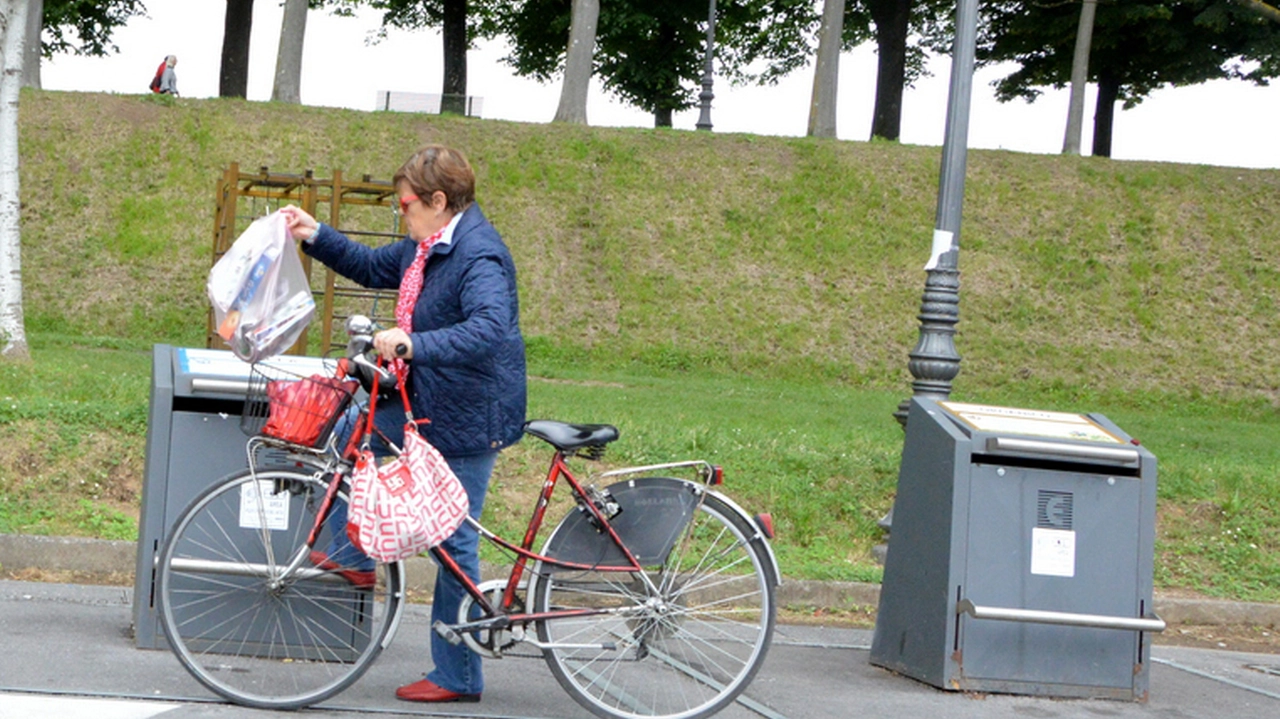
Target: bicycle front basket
(292, 407)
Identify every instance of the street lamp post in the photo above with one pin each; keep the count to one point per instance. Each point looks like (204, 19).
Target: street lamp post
(705, 97)
(934, 362)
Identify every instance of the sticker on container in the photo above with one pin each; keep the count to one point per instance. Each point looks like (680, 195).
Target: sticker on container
(274, 508)
(1053, 552)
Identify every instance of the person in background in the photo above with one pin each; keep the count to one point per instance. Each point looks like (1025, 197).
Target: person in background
(457, 329)
(166, 80)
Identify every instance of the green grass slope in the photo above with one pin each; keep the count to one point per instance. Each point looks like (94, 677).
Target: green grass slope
(715, 262)
(695, 249)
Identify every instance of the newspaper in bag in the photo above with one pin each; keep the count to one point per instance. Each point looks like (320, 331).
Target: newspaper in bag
(261, 297)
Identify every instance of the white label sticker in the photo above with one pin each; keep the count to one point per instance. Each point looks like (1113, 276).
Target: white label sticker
(941, 243)
(274, 508)
(1053, 552)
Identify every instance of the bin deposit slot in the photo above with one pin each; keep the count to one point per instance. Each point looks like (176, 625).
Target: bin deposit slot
(1036, 616)
(1124, 455)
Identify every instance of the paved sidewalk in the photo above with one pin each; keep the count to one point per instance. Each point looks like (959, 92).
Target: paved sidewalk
(68, 653)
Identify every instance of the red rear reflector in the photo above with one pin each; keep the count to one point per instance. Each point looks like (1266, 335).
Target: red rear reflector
(765, 522)
(717, 475)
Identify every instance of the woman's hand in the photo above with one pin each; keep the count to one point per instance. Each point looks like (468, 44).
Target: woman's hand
(387, 342)
(301, 225)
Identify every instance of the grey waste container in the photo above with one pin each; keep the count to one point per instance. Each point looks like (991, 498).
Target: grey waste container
(1020, 556)
(193, 439)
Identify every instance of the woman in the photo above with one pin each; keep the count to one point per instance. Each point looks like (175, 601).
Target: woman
(458, 325)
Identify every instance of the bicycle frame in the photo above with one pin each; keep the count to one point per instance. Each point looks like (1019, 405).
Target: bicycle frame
(339, 462)
(500, 617)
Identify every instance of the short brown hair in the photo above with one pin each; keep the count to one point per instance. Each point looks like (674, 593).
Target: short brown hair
(434, 168)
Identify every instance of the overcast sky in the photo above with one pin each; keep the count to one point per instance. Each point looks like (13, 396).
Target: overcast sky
(1219, 123)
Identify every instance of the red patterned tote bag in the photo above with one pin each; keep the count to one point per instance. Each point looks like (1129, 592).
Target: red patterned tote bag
(407, 505)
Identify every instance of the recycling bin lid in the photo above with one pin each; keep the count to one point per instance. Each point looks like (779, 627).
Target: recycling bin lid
(219, 372)
(1014, 432)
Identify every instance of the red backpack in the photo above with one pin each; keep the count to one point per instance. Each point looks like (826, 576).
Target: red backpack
(155, 81)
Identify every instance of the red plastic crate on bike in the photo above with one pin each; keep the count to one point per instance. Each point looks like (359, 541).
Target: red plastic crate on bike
(301, 411)
(408, 505)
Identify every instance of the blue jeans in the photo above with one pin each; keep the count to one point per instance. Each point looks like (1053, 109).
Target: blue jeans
(457, 668)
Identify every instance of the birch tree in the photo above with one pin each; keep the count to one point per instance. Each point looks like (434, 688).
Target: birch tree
(578, 62)
(826, 71)
(1079, 78)
(293, 30)
(13, 27)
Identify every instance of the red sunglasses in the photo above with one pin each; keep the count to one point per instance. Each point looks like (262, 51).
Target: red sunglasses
(406, 201)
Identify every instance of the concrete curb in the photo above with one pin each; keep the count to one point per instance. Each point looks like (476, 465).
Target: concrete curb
(101, 556)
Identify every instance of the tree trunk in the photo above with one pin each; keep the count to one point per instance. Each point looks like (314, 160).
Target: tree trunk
(293, 30)
(1079, 78)
(31, 51)
(234, 81)
(13, 30)
(893, 19)
(578, 63)
(826, 71)
(453, 98)
(1105, 113)
(665, 39)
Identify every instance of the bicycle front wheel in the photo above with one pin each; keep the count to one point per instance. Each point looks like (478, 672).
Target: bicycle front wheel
(243, 624)
(680, 646)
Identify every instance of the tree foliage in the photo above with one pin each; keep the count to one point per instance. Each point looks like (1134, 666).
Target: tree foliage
(1142, 45)
(85, 27)
(1137, 48)
(420, 14)
(650, 53)
(461, 23)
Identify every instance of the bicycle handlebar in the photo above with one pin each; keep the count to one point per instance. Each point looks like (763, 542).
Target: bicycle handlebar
(360, 345)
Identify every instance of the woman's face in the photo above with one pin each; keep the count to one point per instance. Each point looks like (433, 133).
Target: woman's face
(423, 216)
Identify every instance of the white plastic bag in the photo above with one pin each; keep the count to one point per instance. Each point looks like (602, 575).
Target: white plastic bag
(261, 297)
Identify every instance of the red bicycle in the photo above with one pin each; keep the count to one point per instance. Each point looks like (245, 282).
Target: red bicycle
(653, 597)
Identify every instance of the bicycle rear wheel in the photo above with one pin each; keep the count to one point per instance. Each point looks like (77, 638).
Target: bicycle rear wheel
(682, 652)
(245, 631)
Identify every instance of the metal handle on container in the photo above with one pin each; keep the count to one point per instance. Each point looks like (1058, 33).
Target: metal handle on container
(1101, 621)
(220, 386)
(1076, 451)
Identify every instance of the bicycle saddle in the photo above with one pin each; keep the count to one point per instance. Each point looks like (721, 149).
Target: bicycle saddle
(571, 437)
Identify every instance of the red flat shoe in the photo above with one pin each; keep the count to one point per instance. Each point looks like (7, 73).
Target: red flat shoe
(359, 578)
(425, 691)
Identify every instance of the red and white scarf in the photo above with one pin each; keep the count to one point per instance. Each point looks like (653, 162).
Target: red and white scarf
(411, 287)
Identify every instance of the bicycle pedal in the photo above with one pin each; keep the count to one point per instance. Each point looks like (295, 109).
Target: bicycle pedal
(448, 634)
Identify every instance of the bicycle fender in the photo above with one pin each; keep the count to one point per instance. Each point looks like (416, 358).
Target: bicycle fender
(757, 538)
(654, 513)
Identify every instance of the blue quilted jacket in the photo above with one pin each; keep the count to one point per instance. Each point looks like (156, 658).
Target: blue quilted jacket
(468, 369)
